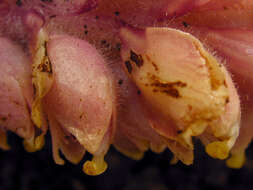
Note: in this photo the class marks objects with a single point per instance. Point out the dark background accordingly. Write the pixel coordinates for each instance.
(20, 170)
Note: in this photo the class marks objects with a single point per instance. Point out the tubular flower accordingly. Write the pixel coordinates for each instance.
(137, 75)
(186, 91)
(79, 109)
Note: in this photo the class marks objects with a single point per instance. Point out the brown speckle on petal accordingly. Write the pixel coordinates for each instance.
(3, 119)
(137, 59)
(45, 66)
(34, 89)
(120, 82)
(116, 13)
(128, 66)
(185, 24)
(169, 88)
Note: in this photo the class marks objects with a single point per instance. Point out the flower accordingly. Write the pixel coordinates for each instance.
(136, 74)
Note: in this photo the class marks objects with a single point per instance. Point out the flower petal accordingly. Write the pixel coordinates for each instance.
(16, 90)
(186, 90)
(236, 46)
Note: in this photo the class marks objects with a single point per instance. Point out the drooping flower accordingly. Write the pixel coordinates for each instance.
(136, 74)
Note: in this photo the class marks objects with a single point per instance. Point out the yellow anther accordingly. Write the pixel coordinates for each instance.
(218, 149)
(236, 161)
(96, 166)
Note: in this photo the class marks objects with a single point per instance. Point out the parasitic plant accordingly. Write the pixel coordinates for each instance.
(133, 74)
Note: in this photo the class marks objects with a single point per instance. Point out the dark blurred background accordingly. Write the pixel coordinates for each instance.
(20, 170)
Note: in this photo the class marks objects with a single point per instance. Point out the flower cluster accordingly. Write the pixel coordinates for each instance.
(135, 74)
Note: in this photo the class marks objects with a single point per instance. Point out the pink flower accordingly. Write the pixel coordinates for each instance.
(136, 74)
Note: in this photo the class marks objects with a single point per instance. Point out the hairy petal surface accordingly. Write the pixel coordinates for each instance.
(221, 14)
(175, 88)
(185, 90)
(236, 46)
(81, 97)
